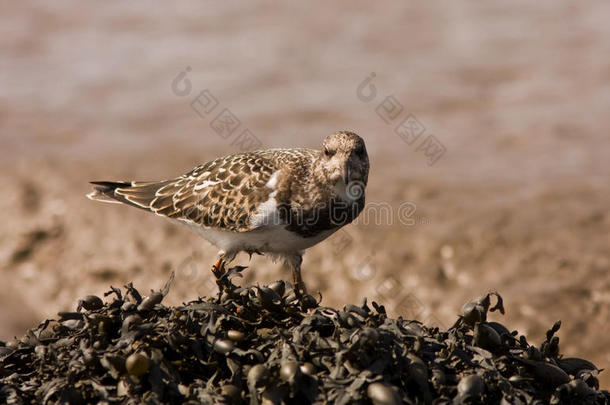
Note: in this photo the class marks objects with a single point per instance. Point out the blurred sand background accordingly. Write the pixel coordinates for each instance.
(518, 93)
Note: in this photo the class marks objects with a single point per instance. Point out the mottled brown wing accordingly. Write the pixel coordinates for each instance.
(221, 194)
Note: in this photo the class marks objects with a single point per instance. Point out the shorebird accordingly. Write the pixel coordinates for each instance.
(277, 202)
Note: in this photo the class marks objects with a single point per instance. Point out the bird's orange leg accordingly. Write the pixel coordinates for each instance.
(218, 269)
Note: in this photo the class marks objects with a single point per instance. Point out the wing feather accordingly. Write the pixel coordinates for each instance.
(225, 193)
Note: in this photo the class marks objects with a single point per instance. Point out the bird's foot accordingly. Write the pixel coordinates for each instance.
(218, 269)
(305, 301)
(299, 289)
(299, 285)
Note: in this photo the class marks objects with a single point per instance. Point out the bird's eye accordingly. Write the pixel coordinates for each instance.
(327, 152)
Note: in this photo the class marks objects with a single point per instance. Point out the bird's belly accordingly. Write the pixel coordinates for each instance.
(278, 239)
(272, 239)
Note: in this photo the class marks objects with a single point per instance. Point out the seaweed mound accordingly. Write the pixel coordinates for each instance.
(268, 345)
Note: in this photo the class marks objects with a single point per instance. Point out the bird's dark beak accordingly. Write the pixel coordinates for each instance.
(346, 174)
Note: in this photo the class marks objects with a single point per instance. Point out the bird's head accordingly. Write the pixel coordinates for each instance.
(344, 159)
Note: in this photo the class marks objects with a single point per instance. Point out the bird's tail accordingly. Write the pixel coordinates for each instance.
(104, 191)
(136, 194)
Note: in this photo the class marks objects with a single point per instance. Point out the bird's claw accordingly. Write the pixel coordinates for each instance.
(218, 269)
